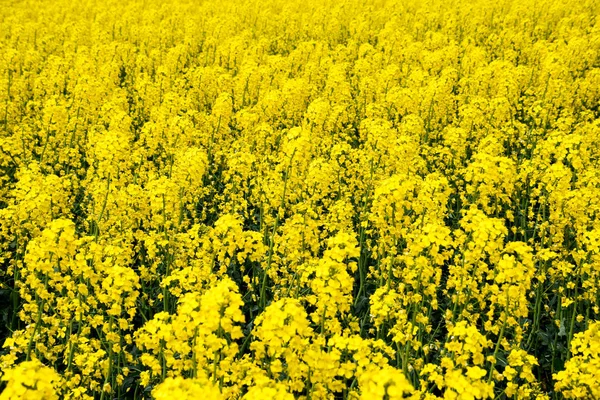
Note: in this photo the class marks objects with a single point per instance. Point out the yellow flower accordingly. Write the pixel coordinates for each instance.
(31, 380)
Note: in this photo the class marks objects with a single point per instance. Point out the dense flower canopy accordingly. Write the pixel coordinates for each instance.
(316, 199)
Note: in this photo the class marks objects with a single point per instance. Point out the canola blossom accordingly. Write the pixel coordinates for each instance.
(317, 199)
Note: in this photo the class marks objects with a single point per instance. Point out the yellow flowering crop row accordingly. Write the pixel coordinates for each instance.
(318, 199)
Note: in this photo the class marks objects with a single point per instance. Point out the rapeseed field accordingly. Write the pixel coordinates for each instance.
(299, 199)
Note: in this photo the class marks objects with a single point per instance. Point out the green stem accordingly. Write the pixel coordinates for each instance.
(500, 337)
